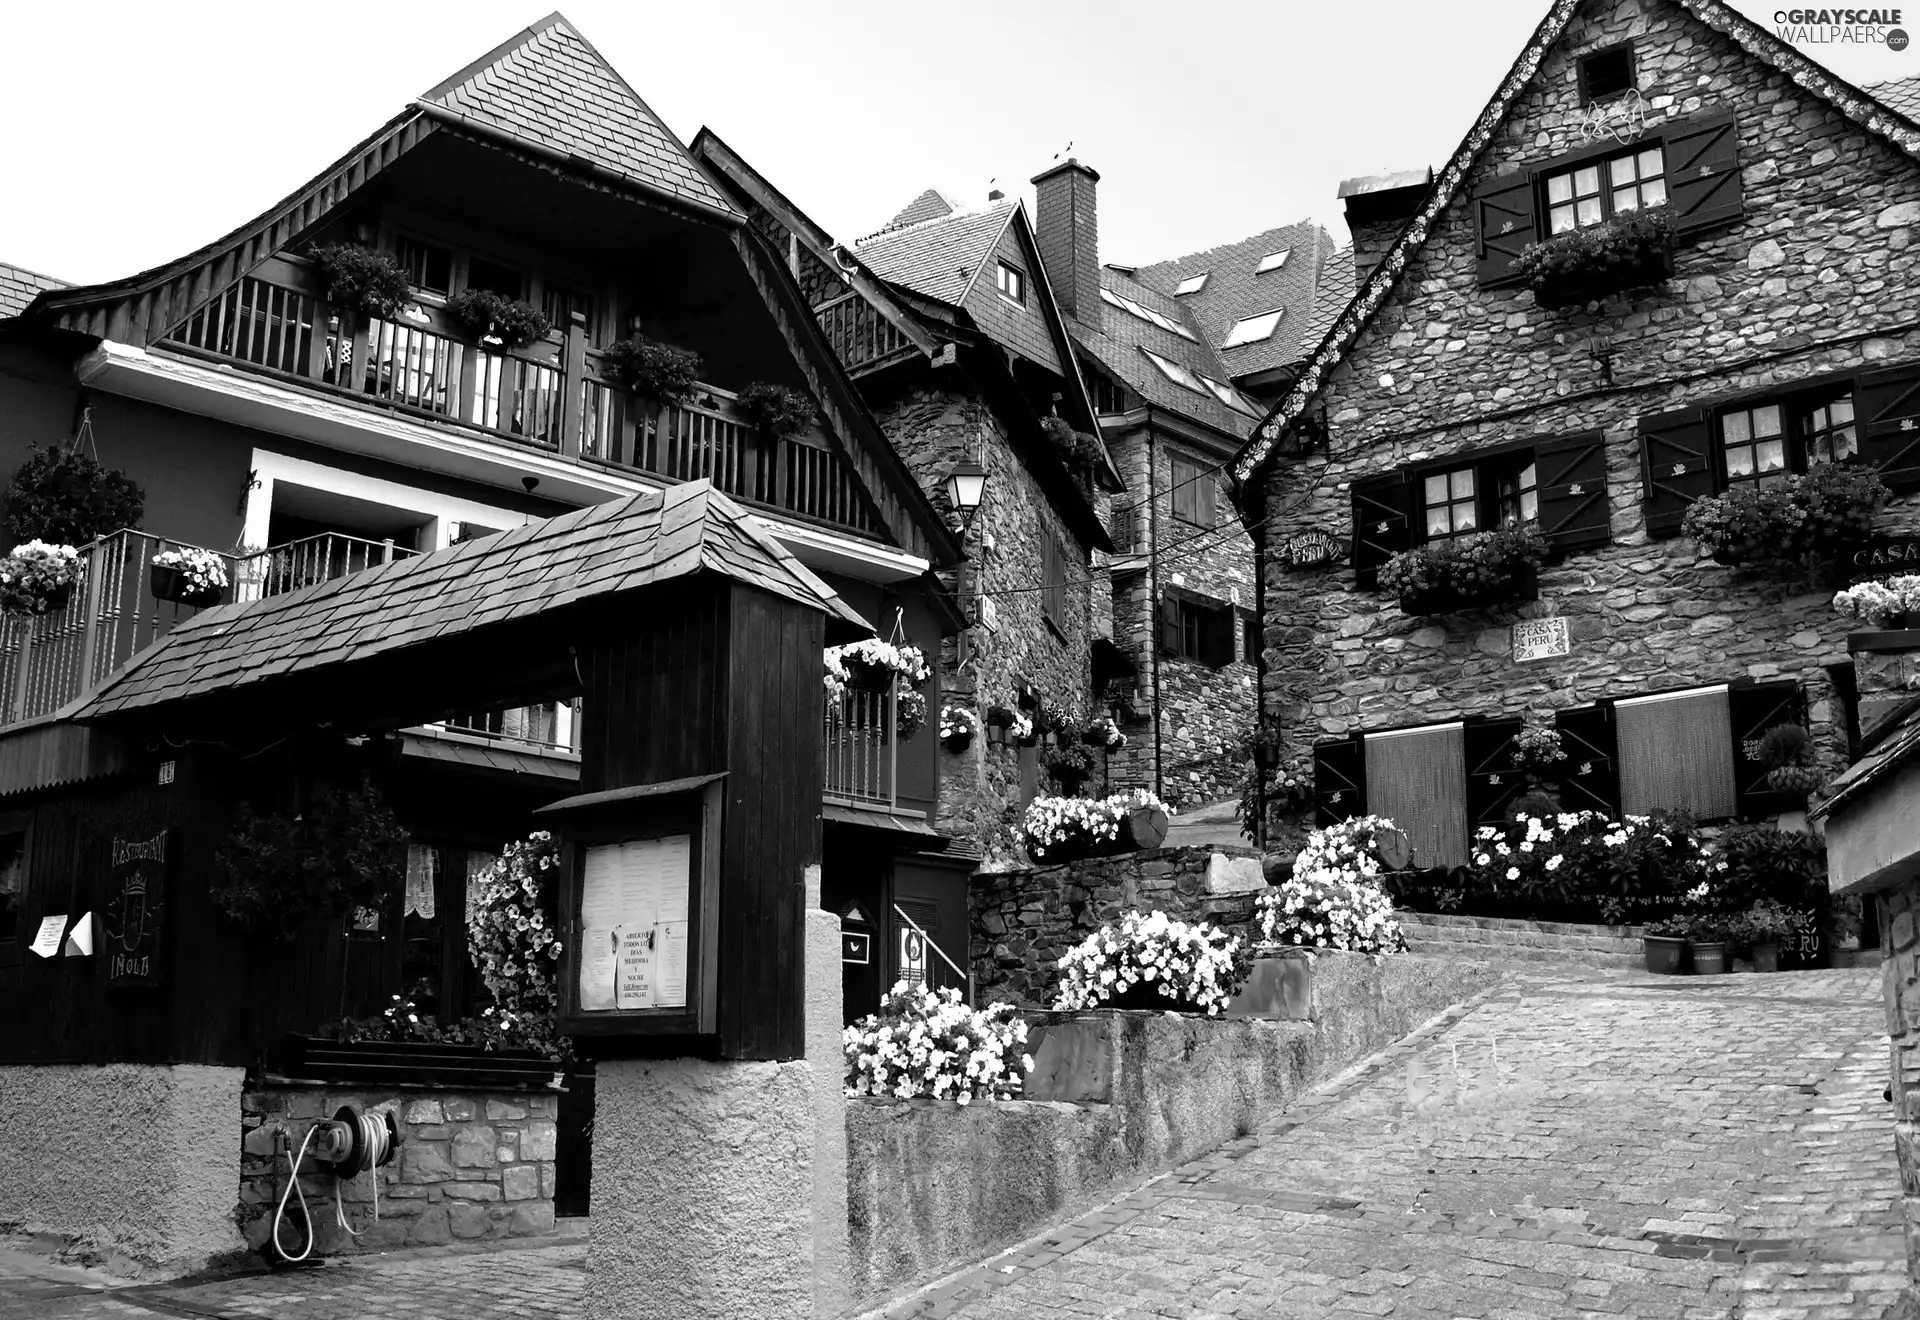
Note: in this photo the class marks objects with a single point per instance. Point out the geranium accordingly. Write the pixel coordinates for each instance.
(904, 661)
(1537, 748)
(1888, 604)
(203, 569)
(1807, 521)
(513, 934)
(1481, 568)
(37, 578)
(1194, 965)
(1057, 829)
(1334, 899)
(926, 1042)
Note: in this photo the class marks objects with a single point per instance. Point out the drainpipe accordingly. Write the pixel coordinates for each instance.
(1153, 592)
(1259, 658)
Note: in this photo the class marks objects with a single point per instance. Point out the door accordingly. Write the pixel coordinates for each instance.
(927, 923)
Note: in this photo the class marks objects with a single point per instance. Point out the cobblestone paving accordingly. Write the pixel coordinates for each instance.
(1594, 1147)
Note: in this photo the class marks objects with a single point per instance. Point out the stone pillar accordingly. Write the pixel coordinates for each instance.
(1899, 911)
(720, 1187)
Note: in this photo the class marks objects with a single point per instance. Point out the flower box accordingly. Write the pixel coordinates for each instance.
(1809, 522)
(1886, 639)
(1476, 571)
(418, 1063)
(175, 585)
(1633, 250)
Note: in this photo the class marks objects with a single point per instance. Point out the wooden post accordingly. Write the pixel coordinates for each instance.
(573, 375)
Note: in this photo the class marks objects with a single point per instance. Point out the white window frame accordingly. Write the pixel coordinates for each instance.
(1246, 330)
(1007, 275)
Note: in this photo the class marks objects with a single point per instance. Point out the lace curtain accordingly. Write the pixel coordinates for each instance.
(1676, 750)
(423, 869)
(1417, 778)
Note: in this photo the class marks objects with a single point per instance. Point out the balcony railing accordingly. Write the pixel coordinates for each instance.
(549, 395)
(861, 748)
(308, 562)
(552, 726)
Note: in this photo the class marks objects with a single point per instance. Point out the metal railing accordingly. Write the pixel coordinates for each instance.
(918, 968)
(308, 562)
(861, 749)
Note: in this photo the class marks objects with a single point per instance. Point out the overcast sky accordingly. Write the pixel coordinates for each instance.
(143, 131)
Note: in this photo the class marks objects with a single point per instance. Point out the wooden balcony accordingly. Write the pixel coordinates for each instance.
(553, 396)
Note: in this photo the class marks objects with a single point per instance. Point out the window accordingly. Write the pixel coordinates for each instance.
(1272, 261)
(1516, 493)
(1176, 373)
(498, 277)
(1056, 566)
(1228, 395)
(1193, 492)
(1147, 314)
(1606, 73)
(1763, 442)
(1753, 444)
(1191, 284)
(1197, 630)
(429, 266)
(1827, 431)
(1109, 396)
(1253, 329)
(560, 303)
(1451, 502)
(1012, 282)
(423, 930)
(1587, 194)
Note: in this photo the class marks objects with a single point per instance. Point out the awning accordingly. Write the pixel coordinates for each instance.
(905, 827)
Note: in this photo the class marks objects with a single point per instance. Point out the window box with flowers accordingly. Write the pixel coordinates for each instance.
(497, 321)
(775, 410)
(1805, 523)
(362, 280)
(1474, 571)
(928, 1044)
(1152, 962)
(188, 576)
(1061, 829)
(38, 578)
(1891, 608)
(652, 371)
(1631, 250)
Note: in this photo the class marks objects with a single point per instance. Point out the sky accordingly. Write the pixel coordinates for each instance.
(144, 131)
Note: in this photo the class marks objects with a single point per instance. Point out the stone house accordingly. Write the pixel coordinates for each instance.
(949, 324)
(1444, 399)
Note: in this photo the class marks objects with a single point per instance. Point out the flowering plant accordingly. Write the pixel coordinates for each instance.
(1807, 521)
(1058, 829)
(497, 320)
(513, 934)
(1889, 604)
(1022, 729)
(1334, 899)
(1537, 749)
(1581, 864)
(203, 569)
(651, 370)
(1292, 786)
(1070, 765)
(1481, 568)
(1103, 732)
(1629, 251)
(910, 712)
(363, 279)
(872, 663)
(776, 410)
(926, 1042)
(836, 680)
(37, 578)
(1191, 966)
(958, 725)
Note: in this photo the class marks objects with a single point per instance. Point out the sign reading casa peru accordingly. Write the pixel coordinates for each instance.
(1540, 639)
(1312, 549)
(1886, 556)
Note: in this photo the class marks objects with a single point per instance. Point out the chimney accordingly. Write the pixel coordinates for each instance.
(1378, 206)
(1069, 233)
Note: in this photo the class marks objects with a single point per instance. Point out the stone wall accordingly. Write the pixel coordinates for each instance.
(1899, 913)
(1024, 920)
(134, 1164)
(934, 427)
(1818, 276)
(933, 1185)
(1525, 941)
(471, 1165)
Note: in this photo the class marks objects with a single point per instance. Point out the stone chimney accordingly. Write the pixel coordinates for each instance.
(1069, 231)
(1378, 206)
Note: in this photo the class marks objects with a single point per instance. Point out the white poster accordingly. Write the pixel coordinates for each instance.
(46, 941)
(633, 924)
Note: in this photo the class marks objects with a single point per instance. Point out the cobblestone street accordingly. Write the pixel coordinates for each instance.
(1607, 1146)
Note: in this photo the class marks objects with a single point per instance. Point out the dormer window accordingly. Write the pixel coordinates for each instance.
(1587, 194)
(1605, 74)
(1012, 282)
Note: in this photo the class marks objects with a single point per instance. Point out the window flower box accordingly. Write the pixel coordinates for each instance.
(1809, 522)
(497, 321)
(1633, 250)
(188, 576)
(1892, 607)
(1466, 572)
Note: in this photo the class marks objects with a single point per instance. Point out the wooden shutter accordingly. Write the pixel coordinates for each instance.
(1503, 210)
(1703, 173)
(1380, 524)
(1571, 477)
(1754, 708)
(1676, 466)
(1206, 493)
(1590, 777)
(1339, 781)
(1492, 782)
(1170, 634)
(1888, 408)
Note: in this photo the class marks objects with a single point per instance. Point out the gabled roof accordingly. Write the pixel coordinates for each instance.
(1119, 342)
(464, 592)
(938, 257)
(929, 205)
(20, 286)
(550, 87)
(1236, 288)
(1872, 114)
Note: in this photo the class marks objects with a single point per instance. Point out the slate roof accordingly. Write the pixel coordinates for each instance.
(936, 258)
(1901, 95)
(1385, 277)
(1236, 289)
(1896, 747)
(592, 553)
(19, 286)
(1331, 294)
(549, 86)
(1121, 336)
(929, 205)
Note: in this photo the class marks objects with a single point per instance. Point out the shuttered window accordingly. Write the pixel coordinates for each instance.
(1571, 472)
(1417, 778)
(1339, 781)
(1379, 524)
(1196, 630)
(1590, 779)
(1492, 782)
(1889, 419)
(1503, 215)
(1752, 709)
(1676, 751)
(1677, 468)
(1703, 172)
(1056, 567)
(1193, 492)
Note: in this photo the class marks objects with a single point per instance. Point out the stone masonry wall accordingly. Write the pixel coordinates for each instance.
(1024, 920)
(1899, 913)
(471, 1165)
(1818, 275)
(934, 427)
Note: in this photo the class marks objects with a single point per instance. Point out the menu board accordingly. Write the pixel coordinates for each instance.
(633, 924)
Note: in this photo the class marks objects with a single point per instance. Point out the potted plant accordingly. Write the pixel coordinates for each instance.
(872, 665)
(1788, 757)
(958, 725)
(1710, 934)
(38, 578)
(63, 495)
(1022, 730)
(1070, 766)
(910, 712)
(1076, 449)
(927, 1044)
(1766, 926)
(775, 410)
(1537, 750)
(1334, 898)
(1808, 522)
(1152, 962)
(1664, 944)
(362, 280)
(495, 319)
(1104, 734)
(1631, 250)
(188, 576)
(1889, 605)
(340, 850)
(1465, 572)
(650, 370)
(999, 721)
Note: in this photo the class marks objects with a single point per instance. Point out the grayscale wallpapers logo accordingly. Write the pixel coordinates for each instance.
(1840, 27)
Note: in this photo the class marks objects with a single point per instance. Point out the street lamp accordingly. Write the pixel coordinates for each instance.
(966, 484)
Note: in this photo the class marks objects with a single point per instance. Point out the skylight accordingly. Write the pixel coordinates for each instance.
(1272, 261)
(1147, 314)
(1176, 373)
(1253, 329)
(1191, 284)
(1228, 395)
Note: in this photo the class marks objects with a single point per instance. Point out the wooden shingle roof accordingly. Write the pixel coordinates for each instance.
(463, 592)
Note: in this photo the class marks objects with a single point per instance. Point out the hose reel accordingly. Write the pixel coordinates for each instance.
(346, 1145)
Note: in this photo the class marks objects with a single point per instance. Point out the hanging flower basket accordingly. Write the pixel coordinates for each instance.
(872, 665)
(958, 725)
(1468, 572)
(1023, 731)
(38, 578)
(1537, 751)
(362, 279)
(188, 576)
(910, 713)
(1633, 250)
(650, 370)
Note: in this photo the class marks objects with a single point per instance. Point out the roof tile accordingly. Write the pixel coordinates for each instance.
(20, 286)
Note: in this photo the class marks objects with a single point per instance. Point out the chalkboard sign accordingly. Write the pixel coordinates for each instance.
(135, 914)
